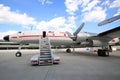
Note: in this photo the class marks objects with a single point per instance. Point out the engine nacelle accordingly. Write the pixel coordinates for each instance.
(93, 43)
(87, 43)
(82, 37)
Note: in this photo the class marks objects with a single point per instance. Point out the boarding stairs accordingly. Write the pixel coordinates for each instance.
(45, 51)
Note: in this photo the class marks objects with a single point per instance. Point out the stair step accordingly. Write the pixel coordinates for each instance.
(45, 56)
(43, 63)
(45, 52)
(44, 49)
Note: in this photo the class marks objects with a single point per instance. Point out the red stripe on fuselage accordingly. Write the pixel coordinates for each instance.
(14, 37)
(35, 36)
(27, 36)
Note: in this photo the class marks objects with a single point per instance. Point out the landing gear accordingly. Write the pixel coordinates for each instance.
(68, 50)
(103, 52)
(110, 48)
(18, 54)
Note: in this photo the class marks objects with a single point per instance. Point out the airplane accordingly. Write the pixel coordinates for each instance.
(115, 41)
(77, 39)
(109, 20)
(6, 43)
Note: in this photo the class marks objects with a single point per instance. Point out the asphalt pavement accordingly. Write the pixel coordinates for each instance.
(80, 65)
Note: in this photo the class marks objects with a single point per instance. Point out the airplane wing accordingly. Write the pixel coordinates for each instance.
(108, 35)
(109, 20)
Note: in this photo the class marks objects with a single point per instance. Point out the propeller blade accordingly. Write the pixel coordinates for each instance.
(79, 29)
(74, 37)
(109, 20)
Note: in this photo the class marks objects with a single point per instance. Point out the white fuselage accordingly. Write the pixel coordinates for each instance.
(56, 38)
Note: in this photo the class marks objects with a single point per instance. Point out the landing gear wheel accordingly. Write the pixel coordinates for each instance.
(107, 53)
(68, 50)
(103, 52)
(18, 54)
(99, 52)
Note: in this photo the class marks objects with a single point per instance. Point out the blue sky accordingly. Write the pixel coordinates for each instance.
(59, 15)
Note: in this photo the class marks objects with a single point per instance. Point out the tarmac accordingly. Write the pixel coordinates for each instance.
(80, 65)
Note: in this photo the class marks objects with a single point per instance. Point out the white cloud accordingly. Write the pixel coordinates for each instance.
(116, 4)
(72, 6)
(71, 21)
(49, 2)
(93, 12)
(91, 5)
(85, 3)
(2, 34)
(118, 12)
(7, 16)
(98, 14)
(58, 24)
(52, 24)
(106, 2)
(45, 2)
(90, 9)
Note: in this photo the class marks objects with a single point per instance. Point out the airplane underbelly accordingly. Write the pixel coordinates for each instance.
(53, 41)
(30, 40)
(61, 41)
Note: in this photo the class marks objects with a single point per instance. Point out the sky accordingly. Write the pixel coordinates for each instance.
(58, 15)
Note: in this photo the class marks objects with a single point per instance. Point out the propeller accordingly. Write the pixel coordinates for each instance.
(79, 29)
(74, 37)
(109, 20)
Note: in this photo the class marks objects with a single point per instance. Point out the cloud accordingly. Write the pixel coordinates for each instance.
(116, 4)
(98, 14)
(58, 24)
(72, 6)
(90, 5)
(2, 34)
(93, 12)
(90, 9)
(45, 2)
(84, 3)
(54, 23)
(7, 16)
(106, 3)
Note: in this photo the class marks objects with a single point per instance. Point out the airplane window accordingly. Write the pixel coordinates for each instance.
(64, 34)
(19, 32)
